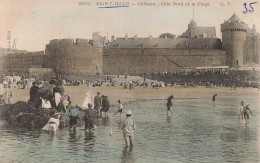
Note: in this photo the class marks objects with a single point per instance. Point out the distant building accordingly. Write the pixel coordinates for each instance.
(99, 41)
(196, 47)
(194, 31)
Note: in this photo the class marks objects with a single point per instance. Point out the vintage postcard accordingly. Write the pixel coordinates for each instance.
(129, 81)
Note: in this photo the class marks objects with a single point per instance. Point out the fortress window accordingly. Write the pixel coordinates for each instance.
(206, 46)
(141, 45)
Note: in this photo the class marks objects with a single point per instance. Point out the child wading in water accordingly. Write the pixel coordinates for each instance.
(169, 104)
(120, 107)
(246, 111)
(128, 127)
(214, 100)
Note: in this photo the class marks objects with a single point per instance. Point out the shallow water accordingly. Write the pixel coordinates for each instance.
(196, 132)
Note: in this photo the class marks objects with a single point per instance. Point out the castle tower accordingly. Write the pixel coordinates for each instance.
(233, 38)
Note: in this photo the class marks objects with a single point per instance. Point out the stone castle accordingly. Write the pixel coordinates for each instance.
(196, 47)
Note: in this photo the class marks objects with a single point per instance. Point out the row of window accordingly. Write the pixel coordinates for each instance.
(177, 46)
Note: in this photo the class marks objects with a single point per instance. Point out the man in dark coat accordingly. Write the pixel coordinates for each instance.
(105, 105)
(33, 93)
(97, 102)
(90, 116)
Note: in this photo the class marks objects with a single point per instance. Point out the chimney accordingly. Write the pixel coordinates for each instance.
(135, 37)
(126, 37)
(150, 37)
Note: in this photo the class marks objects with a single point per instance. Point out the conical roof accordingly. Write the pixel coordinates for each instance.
(234, 18)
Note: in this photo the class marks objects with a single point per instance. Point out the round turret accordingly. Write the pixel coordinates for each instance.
(233, 38)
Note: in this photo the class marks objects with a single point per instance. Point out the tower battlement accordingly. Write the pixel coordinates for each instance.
(69, 42)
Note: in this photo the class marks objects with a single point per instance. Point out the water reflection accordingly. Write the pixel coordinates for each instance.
(89, 140)
(194, 133)
(105, 121)
(127, 155)
(89, 136)
(168, 119)
(74, 137)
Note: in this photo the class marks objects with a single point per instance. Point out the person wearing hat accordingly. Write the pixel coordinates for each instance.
(246, 112)
(74, 115)
(120, 107)
(169, 104)
(90, 118)
(128, 127)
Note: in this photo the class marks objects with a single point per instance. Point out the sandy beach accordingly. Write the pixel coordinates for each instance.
(77, 93)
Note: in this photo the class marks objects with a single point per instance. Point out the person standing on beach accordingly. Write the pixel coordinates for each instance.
(169, 104)
(128, 127)
(214, 99)
(120, 107)
(74, 115)
(130, 85)
(33, 93)
(7, 94)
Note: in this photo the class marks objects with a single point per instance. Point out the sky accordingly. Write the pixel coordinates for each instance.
(35, 22)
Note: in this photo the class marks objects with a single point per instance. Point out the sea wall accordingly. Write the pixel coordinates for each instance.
(148, 60)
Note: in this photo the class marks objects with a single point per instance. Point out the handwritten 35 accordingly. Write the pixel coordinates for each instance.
(251, 9)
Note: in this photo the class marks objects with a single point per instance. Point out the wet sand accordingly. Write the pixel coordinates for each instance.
(77, 94)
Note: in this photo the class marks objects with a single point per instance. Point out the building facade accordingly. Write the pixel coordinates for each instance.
(196, 47)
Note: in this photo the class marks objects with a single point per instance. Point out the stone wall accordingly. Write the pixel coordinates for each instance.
(251, 49)
(20, 63)
(74, 58)
(148, 60)
(178, 43)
